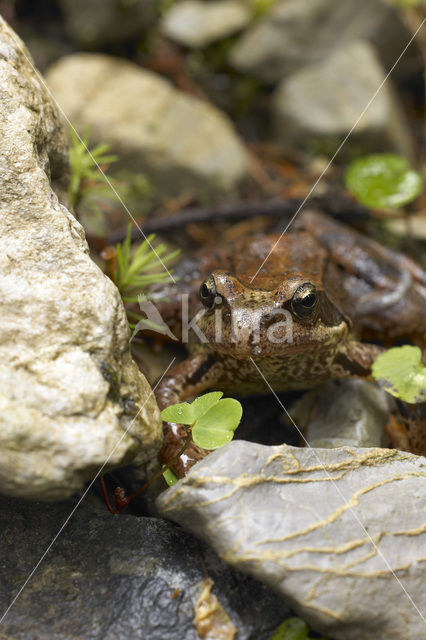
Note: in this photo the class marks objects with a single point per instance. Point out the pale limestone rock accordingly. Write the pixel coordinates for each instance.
(68, 385)
(294, 33)
(316, 107)
(194, 23)
(180, 142)
(339, 533)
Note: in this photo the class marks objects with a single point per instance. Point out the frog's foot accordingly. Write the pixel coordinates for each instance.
(189, 378)
(408, 431)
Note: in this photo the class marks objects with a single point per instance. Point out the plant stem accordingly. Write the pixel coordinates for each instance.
(105, 495)
(121, 502)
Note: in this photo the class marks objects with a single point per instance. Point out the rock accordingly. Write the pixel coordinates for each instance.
(44, 51)
(100, 22)
(344, 413)
(293, 34)
(316, 107)
(417, 226)
(68, 386)
(115, 578)
(340, 533)
(194, 23)
(180, 142)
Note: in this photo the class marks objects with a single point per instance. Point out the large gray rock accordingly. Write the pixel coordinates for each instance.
(340, 533)
(195, 23)
(296, 33)
(100, 22)
(116, 578)
(317, 106)
(68, 386)
(180, 142)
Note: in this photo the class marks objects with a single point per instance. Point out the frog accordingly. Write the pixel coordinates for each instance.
(288, 312)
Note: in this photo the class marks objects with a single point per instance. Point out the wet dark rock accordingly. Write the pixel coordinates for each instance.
(116, 577)
(100, 22)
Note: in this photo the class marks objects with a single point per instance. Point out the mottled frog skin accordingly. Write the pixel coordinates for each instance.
(312, 313)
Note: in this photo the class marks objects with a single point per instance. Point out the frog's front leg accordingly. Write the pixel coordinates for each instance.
(355, 358)
(190, 377)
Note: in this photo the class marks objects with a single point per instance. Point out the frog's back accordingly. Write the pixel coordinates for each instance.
(381, 290)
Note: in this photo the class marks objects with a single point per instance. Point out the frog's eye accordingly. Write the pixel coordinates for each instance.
(304, 300)
(208, 293)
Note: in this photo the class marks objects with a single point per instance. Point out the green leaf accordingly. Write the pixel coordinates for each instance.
(291, 629)
(213, 420)
(170, 477)
(137, 269)
(383, 181)
(260, 7)
(401, 372)
(216, 427)
(407, 4)
(181, 413)
(203, 403)
(144, 323)
(85, 177)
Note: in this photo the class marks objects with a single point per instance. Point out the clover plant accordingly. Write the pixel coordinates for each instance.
(211, 421)
(383, 181)
(292, 629)
(401, 372)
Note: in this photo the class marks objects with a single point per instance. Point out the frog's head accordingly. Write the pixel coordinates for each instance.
(284, 316)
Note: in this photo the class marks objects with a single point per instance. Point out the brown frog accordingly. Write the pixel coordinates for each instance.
(323, 296)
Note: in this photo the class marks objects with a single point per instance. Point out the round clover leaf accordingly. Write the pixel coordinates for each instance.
(216, 427)
(182, 413)
(401, 372)
(383, 181)
(213, 420)
(203, 403)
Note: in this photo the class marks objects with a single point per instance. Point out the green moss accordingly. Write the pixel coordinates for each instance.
(111, 377)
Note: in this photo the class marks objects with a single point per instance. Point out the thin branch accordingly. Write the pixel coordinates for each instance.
(336, 205)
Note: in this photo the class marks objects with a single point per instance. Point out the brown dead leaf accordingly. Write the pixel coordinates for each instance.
(211, 620)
